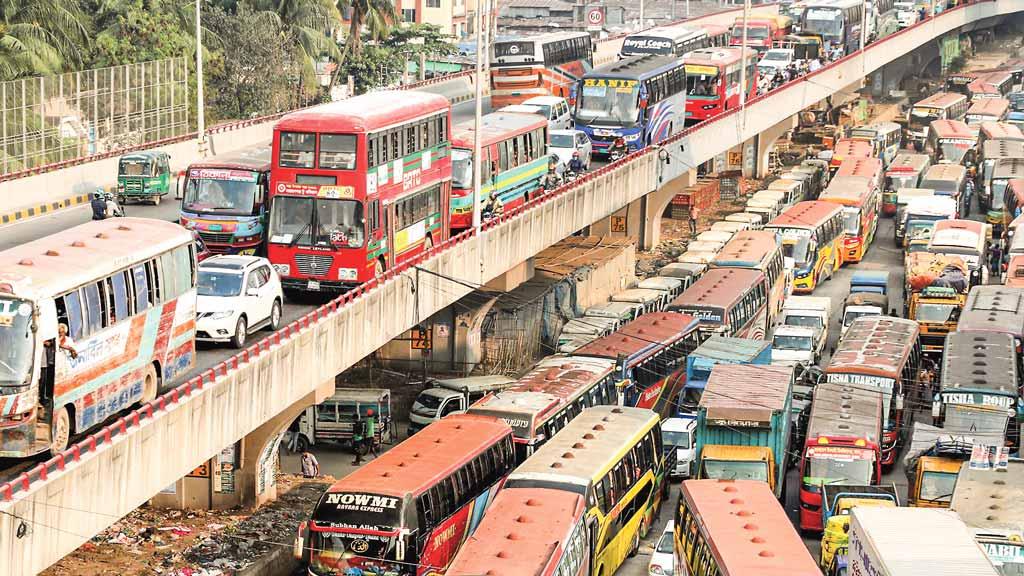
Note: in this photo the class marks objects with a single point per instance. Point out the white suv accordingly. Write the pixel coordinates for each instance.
(238, 295)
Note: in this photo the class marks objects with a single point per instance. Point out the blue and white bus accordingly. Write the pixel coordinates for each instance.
(641, 99)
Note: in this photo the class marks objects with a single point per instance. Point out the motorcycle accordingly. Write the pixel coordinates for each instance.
(118, 210)
(552, 181)
(570, 175)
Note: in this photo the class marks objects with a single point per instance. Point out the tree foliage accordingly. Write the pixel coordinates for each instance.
(41, 36)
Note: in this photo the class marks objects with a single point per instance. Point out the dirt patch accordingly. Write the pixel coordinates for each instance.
(195, 542)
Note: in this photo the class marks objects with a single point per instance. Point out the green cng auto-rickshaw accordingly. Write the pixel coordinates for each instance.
(143, 176)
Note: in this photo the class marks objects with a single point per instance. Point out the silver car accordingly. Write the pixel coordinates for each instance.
(562, 143)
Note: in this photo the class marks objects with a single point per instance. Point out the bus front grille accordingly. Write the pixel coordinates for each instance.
(313, 265)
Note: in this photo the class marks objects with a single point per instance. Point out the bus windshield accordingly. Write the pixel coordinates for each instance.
(462, 169)
(607, 105)
(921, 118)
(753, 32)
(702, 86)
(831, 469)
(998, 188)
(16, 342)
(316, 222)
(953, 151)
(735, 470)
(938, 486)
(798, 249)
(823, 21)
(235, 196)
(851, 220)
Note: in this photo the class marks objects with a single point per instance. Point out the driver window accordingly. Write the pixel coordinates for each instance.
(450, 407)
(327, 413)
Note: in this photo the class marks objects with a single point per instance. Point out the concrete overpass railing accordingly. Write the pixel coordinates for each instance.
(52, 509)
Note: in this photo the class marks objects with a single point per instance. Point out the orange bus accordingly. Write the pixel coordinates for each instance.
(849, 148)
(544, 65)
(736, 527)
(728, 302)
(870, 168)
(861, 201)
(812, 235)
(881, 353)
(758, 250)
(987, 110)
(551, 537)
(408, 510)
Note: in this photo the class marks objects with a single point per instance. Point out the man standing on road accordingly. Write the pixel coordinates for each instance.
(995, 262)
(359, 429)
(694, 213)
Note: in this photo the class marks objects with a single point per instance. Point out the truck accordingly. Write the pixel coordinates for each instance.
(332, 420)
(802, 330)
(913, 542)
(934, 294)
(837, 501)
(920, 216)
(998, 528)
(452, 396)
(678, 434)
(932, 463)
(717, 350)
(740, 439)
(869, 296)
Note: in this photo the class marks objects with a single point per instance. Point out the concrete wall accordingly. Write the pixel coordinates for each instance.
(57, 506)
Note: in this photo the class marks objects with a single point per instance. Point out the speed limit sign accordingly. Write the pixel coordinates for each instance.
(595, 17)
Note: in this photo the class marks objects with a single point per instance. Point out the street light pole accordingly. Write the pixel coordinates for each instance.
(743, 57)
(479, 90)
(200, 102)
(641, 14)
(864, 24)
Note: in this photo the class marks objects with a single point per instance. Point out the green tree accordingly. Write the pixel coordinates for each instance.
(308, 22)
(416, 39)
(260, 72)
(377, 16)
(130, 31)
(40, 36)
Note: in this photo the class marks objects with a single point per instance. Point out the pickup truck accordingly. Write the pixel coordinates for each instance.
(451, 396)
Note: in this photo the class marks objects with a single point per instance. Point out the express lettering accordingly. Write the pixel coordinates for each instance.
(863, 380)
(362, 501)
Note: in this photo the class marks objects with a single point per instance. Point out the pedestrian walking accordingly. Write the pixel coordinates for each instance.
(358, 434)
(371, 433)
(995, 261)
(310, 466)
(694, 213)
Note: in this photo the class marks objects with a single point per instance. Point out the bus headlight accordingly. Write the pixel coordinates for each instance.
(282, 269)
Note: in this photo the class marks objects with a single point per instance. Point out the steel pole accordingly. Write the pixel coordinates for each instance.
(478, 114)
(200, 105)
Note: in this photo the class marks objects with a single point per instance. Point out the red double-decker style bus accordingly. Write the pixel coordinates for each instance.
(881, 353)
(842, 445)
(408, 511)
(358, 186)
(713, 81)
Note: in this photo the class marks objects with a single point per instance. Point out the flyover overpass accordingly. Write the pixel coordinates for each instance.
(54, 508)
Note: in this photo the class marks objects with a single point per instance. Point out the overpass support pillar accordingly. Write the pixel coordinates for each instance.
(766, 143)
(641, 219)
(244, 473)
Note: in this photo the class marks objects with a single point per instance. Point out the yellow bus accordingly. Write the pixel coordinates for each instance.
(613, 455)
(812, 235)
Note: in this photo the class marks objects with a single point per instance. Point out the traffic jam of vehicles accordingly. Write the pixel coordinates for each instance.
(727, 369)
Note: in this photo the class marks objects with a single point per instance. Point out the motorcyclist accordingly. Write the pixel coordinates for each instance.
(493, 207)
(113, 208)
(618, 146)
(576, 165)
(98, 204)
(551, 180)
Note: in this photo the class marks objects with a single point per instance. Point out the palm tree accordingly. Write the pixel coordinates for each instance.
(40, 36)
(377, 16)
(309, 21)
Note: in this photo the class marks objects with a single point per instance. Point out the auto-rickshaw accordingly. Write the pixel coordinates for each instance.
(143, 176)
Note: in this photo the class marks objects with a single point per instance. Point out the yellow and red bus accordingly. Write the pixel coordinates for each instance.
(650, 355)
(410, 509)
(758, 250)
(728, 302)
(543, 65)
(515, 160)
(812, 235)
(358, 186)
(727, 527)
(881, 353)
(861, 201)
(842, 444)
(549, 396)
(125, 289)
(713, 81)
(535, 531)
(613, 456)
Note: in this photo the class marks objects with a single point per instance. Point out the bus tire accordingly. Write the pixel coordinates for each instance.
(636, 545)
(150, 385)
(60, 430)
(379, 267)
